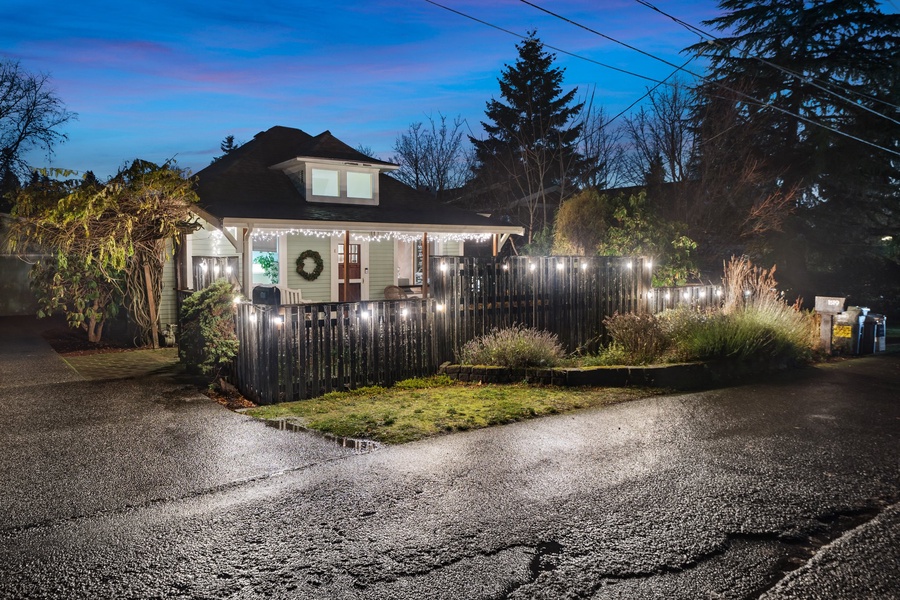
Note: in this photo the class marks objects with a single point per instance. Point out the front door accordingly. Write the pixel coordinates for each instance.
(353, 262)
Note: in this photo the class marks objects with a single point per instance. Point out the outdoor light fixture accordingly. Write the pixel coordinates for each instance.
(747, 292)
(718, 293)
(506, 267)
(649, 264)
(686, 295)
(649, 294)
(253, 317)
(443, 266)
(628, 264)
(366, 314)
(531, 266)
(560, 266)
(584, 266)
(204, 266)
(216, 269)
(668, 295)
(237, 299)
(439, 307)
(703, 293)
(278, 320)
(228, 269)
(404, 312)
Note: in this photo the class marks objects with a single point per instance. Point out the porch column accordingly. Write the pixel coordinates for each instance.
(247, 258)
(425, 258)
(494, 239)
(346, 293)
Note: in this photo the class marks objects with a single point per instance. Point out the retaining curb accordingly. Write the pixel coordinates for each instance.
(680, 376)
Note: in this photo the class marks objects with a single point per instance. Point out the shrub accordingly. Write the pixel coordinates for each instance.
(640, 337)
(614, 354)
(515, 347)
(208, 340)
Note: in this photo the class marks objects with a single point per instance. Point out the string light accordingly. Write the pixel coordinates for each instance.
(379, 236)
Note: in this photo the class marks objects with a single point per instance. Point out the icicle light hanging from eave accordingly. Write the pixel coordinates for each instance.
(373, 236)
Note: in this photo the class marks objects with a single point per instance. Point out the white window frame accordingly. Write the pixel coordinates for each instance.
(342, 197)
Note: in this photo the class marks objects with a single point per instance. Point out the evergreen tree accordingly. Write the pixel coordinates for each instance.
(803, 69)
(531, 142)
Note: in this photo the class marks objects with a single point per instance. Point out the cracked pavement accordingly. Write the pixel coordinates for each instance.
(781, 489)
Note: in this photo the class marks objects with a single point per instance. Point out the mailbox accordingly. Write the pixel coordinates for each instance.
(828, 307)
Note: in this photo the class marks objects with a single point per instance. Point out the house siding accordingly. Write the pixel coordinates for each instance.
(311, 291)
(207, 243)
(450, 249)
(382, 270)
(168, 311)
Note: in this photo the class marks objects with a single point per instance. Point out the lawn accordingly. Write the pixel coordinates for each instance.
(420, 408)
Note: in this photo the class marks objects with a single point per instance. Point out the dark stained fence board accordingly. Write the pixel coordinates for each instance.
(321, 347)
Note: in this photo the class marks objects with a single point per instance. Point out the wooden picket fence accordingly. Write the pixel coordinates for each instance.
(303, 351)
(698, 297)
(566, 295)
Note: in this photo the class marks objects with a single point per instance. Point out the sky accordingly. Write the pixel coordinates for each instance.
(171, 78)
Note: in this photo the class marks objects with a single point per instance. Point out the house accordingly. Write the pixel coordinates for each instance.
(307, 205)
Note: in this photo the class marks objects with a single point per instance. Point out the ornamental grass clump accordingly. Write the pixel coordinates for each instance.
(516, 347)
(754, 323)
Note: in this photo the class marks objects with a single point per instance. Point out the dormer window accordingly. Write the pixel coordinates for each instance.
(334, 182)
(359, 185)
(326, 182)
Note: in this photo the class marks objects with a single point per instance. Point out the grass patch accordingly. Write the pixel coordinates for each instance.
(416, 409)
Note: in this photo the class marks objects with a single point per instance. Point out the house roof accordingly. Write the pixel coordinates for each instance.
(242, 186)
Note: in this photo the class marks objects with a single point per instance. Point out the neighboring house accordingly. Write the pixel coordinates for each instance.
(286, 193)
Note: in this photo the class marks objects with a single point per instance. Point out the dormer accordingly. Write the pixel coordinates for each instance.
(335, 181)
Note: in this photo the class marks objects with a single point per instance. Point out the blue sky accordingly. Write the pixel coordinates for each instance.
(172, 78)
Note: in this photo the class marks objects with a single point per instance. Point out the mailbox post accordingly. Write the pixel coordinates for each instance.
(828, 307)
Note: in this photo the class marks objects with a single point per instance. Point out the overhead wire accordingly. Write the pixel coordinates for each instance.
(560, 50)
(712, 82)
(704, 35)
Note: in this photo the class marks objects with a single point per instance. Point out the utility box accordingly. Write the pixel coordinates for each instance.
(828, 307)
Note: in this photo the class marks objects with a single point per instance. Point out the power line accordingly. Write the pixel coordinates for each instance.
(649, 91)
(560, 50)
(713, 39)
(716, 83)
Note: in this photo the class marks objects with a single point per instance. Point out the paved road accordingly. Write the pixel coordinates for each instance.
(787, 488)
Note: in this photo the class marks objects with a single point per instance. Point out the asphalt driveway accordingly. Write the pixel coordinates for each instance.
(787, 488)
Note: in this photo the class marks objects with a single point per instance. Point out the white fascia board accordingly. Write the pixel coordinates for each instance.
(317, 160)
(365, 226)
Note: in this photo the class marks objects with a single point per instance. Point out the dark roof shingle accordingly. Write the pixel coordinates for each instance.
(241, 185)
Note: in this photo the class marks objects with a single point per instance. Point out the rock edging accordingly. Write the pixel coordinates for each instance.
(679, 376)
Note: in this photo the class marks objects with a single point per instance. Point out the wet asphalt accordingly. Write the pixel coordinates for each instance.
(783, 488)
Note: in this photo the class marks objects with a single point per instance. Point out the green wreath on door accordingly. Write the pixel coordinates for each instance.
(319, 265)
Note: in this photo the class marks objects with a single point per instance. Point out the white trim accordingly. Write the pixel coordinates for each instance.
(189, 259)
(282, 260)
(341, 226)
